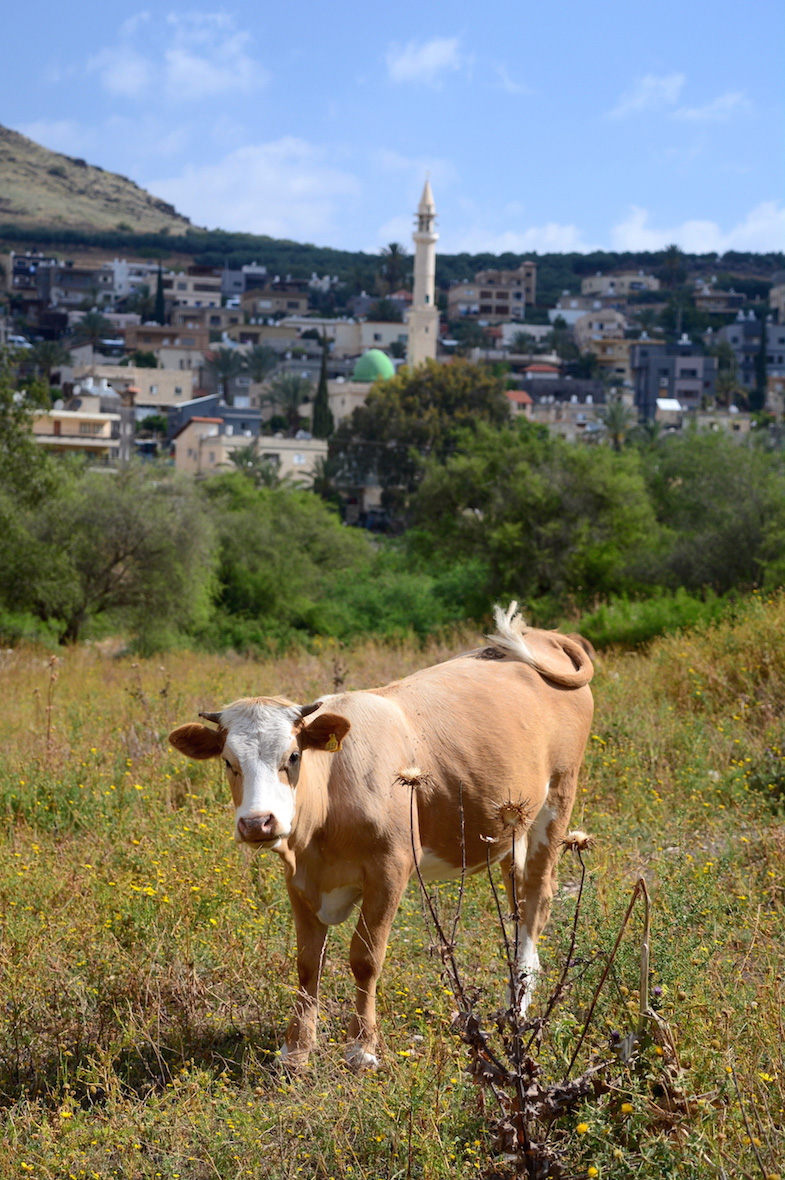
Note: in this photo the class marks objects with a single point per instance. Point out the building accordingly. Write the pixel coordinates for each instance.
(281, 297)
(709, 298)
(744, 337)
(154, 389)
(204, 446)
(154, 337)
(568, 407)
(84, 429)
(199, 286)
(494, 295)
(675, 372)
(621, 282)
(593, 326)
(423, 317)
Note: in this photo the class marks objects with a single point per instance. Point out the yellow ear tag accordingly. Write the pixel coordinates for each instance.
(332, 744)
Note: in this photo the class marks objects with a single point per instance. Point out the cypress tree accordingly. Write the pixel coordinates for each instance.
(160, 308)
(323, 422)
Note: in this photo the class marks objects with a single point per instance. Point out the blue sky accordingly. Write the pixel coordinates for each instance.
(544, 126)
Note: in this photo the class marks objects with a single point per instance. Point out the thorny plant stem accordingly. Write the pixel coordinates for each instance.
(640, 889)
(459, 906)
(643, 990)
(511, 967)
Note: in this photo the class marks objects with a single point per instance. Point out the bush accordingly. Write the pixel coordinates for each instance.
(633, 622)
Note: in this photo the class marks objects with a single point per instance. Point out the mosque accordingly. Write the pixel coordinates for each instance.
(422, 319)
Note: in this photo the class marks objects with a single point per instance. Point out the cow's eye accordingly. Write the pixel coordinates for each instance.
(294, 757)
(227, 764)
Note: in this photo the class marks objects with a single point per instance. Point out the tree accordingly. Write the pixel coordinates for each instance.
(722, 506)
(757, 399)
(288, 391)
(159, 312)
(142, 302)
(522, 342)
(136, 544)
(385, 311)
(394, 259)
(673, 270)
(548, 519)
(225, 364)
(92, 329)
(47, 355)
(618, 421)
(411, 417)
(323, 422)
(261, 361)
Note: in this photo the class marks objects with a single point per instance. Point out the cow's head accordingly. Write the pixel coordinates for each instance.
(261, 742)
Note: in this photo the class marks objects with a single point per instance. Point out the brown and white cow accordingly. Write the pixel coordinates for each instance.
(496, 736)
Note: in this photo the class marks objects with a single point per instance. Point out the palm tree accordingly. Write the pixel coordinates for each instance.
(618, 420)
(261, 472)
(225, 364)
(394, 259)
(522, 342)
(91, 329)
(288, 391)
(47, 355)
(260, 362)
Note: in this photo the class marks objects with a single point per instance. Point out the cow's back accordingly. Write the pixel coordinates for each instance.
(480, 731)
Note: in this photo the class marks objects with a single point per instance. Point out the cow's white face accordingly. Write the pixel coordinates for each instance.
(261, 743)
(262, 764)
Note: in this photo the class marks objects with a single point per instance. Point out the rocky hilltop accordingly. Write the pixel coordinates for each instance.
(43, 188)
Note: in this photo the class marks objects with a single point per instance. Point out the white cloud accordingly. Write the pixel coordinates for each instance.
(763, 229)
(202, 55)
(59, 135)
(718, 110)
(652, 93)
(122, 71)
(551, 237)
(507, 84)
(426, 62)
(284, 188)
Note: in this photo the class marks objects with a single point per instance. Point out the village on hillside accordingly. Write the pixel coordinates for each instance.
(199, 363)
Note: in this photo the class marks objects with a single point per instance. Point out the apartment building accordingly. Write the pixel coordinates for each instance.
(620, 282)
(679, 373)
(494, 295)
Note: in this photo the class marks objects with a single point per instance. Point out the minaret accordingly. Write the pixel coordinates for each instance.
(424, 315)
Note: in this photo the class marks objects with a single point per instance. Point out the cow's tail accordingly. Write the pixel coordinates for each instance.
(509, 639)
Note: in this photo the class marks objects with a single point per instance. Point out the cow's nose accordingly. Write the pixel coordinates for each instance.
(256, 828)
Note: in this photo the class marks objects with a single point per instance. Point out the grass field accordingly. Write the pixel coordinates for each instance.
(146, 962)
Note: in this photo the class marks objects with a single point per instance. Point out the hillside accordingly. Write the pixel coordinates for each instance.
(43, 188)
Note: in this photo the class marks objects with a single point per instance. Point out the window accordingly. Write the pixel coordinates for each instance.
(182, 286)
(298, 460)
(90, 427)
(153, 389)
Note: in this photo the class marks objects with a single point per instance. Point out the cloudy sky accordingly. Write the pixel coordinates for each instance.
(544, 126)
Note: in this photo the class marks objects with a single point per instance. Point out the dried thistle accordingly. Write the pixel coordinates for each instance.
(514, 816)
(578, 841)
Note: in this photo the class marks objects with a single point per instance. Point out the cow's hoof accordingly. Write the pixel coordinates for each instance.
(359, 1059)
(293, 1060)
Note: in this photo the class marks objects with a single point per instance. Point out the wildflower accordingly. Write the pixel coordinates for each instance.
(592, 1171)
(582, 1128)
(626, 1108)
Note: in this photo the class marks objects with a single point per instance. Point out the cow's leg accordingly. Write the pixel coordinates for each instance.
(530, 880)
(382, 894)
(311, 938)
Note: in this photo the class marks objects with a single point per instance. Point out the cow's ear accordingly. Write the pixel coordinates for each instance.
(325, 732)
(197, 741)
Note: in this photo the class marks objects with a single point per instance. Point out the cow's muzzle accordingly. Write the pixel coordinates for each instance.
(258, 829)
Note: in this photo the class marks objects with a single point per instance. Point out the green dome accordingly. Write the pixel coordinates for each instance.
(373, 365)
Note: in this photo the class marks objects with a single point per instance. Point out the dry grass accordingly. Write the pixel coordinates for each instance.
(146, 963)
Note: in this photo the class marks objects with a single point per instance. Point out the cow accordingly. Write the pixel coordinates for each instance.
(430, 776)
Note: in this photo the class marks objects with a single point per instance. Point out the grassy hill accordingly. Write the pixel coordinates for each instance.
(43, 188)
